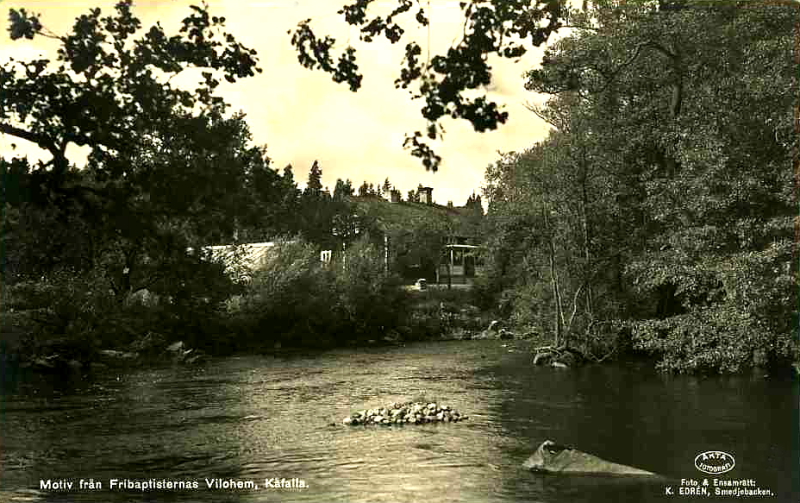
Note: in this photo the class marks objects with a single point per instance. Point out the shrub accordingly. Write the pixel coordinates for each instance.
(68, 310)
(369, 300)
(748, 324)
(88, 310)
(287, 299)
(295, 299)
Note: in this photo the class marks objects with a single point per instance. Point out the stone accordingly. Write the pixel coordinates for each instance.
(116, 357)
(196, 358)
(409, 412)
(554, 458)
(543, 358)
(151, 343)
(176, 347)
(110, 353)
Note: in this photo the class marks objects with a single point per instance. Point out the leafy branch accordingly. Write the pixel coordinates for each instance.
(491, 27)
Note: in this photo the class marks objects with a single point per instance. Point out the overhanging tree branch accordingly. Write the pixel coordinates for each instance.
(59, 161)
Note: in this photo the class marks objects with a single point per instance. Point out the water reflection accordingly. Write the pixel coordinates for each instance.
(255, 418)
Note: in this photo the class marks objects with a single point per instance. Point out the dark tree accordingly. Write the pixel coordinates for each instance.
(314, 186)
(342, 190)
(107, 86)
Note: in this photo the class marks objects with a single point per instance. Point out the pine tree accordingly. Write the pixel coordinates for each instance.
(314, 186)
(342, 189)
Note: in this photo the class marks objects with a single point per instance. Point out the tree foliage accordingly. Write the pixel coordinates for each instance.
(167, 169)
(106, 85)
(297, 300)
(445, 82)
(662, 206)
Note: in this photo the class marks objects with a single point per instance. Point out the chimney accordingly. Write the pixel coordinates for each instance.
(426, 195)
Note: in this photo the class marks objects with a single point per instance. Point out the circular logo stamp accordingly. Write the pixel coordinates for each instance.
(714, 462)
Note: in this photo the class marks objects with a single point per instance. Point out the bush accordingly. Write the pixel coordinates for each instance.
(748, 323)
(369, 301)
(297, 300)
(83, 310)
(713, 340)
(75, 312)
(286, 299)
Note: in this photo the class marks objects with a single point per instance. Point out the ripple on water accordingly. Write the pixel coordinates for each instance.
(259, 417)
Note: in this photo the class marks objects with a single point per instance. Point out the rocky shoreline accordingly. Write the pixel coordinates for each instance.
(61, 357)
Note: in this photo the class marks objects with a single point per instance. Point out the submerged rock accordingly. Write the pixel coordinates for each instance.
(110, 354)
(149, 344)
(405, 413)
(559, 358)
(176, 347)
(493, 331)
(179, 353)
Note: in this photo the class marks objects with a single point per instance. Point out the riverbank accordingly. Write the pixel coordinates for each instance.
(432, 314)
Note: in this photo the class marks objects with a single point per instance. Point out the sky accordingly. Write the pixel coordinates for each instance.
(302, 115)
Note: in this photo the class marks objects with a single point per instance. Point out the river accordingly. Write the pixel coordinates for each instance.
(255, 418)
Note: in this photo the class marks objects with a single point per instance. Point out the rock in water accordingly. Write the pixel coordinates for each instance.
(402, 413)
(176, 347)
(554, 458)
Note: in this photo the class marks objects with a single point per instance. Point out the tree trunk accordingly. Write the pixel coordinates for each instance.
(559, 326)
(586, 237)
(675, 104)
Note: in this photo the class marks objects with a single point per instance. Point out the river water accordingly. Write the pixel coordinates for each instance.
(260, 417)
